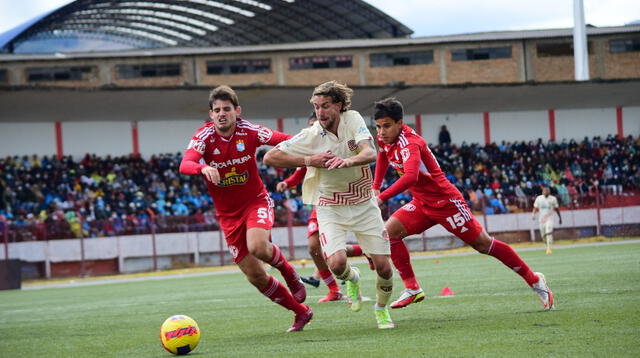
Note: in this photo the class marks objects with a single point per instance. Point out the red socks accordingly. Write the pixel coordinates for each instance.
(329, 280)
(278, 261)
(402, 261)
(357, 251)
(510, 258)
(279, 294)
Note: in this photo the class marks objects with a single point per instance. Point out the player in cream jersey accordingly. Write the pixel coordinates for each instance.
(337, 151)
(546, 204)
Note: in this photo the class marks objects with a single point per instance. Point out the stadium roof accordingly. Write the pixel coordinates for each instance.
(330, 44)
(87, 25)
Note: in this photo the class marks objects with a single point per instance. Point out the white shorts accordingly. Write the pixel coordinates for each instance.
(364, 220)
(546, 228)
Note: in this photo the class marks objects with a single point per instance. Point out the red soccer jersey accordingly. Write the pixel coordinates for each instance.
(418, 168)
(235, 159)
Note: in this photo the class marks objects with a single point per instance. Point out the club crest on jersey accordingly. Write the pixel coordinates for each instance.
(409, 207)
(240, 145)
(405, 154)
(233, 178)
(352, 145)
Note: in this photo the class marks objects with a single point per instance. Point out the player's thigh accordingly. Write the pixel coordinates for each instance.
(408, 220)
(235, 234)
(367, 225)
(456, 218)
(332, 234)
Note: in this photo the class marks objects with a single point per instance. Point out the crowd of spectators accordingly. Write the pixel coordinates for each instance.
(106, 196)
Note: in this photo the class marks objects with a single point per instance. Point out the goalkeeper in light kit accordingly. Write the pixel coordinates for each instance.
(435, 201)
(227, 145)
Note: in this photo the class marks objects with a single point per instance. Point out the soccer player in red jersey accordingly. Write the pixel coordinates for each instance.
(223, 151)
(435, 201)
(315, 250)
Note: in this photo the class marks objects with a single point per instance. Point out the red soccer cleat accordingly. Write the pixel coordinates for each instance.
(408, 297)
(301, 320)
(332, 296)
(297, 289)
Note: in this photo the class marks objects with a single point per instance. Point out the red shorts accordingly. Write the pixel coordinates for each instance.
(453, 214)
(312, 224)
(257, 214)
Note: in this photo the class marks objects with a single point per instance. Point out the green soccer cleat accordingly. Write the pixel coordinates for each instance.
(353, 292)
(383, 318)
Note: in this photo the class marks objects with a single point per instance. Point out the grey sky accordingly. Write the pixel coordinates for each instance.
(432, 17)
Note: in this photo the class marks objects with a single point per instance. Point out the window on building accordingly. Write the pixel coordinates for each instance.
(318, 62)
(473, 54)
(401, 58)
(624, 45)
(49, 74)
(558, 49)
(4, 78)
(232, 67)
(149, 70)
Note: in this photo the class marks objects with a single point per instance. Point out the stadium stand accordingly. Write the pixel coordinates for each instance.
(46, 198)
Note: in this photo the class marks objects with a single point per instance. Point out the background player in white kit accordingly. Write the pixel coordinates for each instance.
(546, 204)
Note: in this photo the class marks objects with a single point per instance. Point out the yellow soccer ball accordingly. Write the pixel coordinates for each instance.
(179, 334)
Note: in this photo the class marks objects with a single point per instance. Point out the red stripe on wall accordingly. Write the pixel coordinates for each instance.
(134, 138)
(487, 128)
(619, 122)
(552, 125)
(280, 125)
(59, 149)
(419, 124)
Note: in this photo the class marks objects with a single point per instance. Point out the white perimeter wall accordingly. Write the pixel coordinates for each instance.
(27, 138)
(158, 136)
(122, 247)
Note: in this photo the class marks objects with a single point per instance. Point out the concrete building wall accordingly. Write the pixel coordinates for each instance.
(158, 136)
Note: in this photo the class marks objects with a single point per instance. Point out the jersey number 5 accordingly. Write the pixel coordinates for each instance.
(262, 214)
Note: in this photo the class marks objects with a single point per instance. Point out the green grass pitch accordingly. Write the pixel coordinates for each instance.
(493, 313)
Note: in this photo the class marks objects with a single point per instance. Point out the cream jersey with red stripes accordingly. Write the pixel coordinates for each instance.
(235, 158)
(546, 206)
(345, 186)
(418, 168)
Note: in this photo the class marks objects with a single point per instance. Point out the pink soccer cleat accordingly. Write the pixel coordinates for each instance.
(301, 320)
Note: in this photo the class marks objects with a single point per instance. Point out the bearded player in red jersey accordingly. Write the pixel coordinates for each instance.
(435, 201)
(223, 151)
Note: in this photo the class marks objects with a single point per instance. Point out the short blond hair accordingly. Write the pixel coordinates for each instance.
(338, 92)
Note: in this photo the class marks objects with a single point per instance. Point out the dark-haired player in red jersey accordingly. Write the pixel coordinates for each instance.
(223, 151)
(435, 201)
(315, 250)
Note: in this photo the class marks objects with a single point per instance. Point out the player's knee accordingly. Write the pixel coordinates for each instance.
(259, 251)
(482, 244)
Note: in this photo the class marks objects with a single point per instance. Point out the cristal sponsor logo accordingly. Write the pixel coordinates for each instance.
(180, 332)
(230, 162)
(233, 178)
